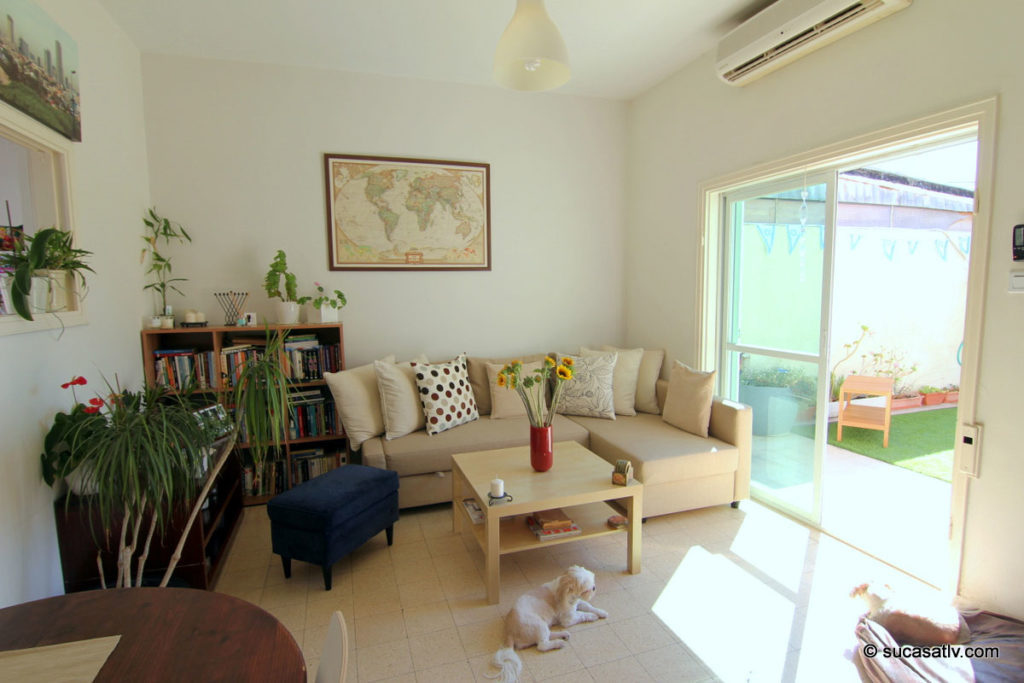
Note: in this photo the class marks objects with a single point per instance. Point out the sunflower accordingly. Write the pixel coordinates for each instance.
(502, 380)
(568, 362)
(563, 372)
(550, 361)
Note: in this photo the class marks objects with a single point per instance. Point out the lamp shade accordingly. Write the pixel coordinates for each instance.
(531, 54)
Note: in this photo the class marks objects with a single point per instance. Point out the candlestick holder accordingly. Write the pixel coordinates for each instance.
(491, 499)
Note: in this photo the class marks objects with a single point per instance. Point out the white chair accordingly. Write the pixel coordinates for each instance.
(334, 658)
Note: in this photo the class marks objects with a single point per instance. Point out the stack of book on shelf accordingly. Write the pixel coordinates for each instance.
(273, 481)
(307, 360)
(312, 414)
(313, 462)
(180, 368)
(548, 525)
(234, 358)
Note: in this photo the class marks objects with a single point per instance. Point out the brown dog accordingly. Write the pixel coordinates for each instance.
(912, 621)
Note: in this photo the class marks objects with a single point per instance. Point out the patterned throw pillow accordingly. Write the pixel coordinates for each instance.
(446, 395)
(589, 392)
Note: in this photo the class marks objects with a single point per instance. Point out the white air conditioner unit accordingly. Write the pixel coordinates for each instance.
(788, 30)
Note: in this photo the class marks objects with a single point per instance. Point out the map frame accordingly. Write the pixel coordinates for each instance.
(476, 259)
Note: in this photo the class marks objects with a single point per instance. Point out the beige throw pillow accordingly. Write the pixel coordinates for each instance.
(647, 380)
(688, 403)
(627, 369)
(589, 392)
(505, 402)
(399, 397)
(477, 367)
(357, 400)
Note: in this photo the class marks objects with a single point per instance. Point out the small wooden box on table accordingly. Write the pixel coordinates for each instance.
(580, 483)
(866, 417)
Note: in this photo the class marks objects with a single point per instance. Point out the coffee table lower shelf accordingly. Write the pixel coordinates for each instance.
(516, 537)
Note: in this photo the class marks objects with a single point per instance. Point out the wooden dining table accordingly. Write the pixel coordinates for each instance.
(166, 634)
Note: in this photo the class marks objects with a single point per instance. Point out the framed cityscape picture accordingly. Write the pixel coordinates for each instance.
(388, 213)
(39, 61)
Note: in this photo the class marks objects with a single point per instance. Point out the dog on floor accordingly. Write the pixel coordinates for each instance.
(912, 619)
(561, 602)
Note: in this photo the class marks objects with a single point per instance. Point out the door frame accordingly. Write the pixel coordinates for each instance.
(980, 116)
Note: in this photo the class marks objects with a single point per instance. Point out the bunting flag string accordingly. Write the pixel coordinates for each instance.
(767, 233)
(794, 233)
(854, 241)
(942, 246)
(912, 245)
(888, 248)
(965, 243)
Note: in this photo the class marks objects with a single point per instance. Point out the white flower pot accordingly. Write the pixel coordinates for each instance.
(286, 312)
(325, 314)
(50, 291)
(81, 481)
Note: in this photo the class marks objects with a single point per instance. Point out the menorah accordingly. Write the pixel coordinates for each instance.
(232, 303)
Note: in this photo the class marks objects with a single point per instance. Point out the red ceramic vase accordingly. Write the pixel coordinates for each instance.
(541, 449)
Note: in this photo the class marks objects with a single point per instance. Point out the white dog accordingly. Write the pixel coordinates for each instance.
(560, 602)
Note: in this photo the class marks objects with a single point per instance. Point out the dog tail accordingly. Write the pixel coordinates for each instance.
(511, 666)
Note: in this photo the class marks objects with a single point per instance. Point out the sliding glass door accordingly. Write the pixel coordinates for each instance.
(773, 353)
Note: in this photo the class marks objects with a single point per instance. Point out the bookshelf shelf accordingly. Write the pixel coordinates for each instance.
(211, 357)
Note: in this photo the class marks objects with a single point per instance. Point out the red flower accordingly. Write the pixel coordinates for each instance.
(98, 402)
(94, 409)
(76, 381)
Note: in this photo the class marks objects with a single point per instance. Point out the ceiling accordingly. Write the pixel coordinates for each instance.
(618, 48)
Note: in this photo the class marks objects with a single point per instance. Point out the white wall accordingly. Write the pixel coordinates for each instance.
(236, 156)
(933, 56)
(111, 188)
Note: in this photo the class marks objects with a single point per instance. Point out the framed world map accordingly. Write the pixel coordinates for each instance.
(387, 213)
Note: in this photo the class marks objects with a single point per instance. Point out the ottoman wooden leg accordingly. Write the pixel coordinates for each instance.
(286, 563)
(391, 534)
(327, 577)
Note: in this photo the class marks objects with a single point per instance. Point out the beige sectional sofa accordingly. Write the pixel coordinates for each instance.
(680, 471)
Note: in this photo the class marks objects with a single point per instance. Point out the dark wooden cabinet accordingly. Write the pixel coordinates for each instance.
(81, 537)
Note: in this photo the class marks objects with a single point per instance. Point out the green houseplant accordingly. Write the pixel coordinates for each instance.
(326, 304)
(161, 230)
(139, 454)
(288, 306)
(263, 405)
(49, 261)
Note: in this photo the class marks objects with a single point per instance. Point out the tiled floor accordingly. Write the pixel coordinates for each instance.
(733, 595)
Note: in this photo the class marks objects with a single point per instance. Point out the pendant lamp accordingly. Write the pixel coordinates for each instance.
(531, 54)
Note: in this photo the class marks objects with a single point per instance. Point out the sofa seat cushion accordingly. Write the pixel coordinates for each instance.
(328, 501)
(420, 453)
(660, 453)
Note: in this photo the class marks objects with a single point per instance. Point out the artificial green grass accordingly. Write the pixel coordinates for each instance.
(921, 442)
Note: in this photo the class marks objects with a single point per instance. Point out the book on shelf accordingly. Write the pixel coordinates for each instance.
(551, 534)
(554, 518)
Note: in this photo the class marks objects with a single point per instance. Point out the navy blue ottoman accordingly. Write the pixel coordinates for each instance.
(322, 520)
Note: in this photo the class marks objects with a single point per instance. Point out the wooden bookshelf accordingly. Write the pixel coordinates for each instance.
(213, 343)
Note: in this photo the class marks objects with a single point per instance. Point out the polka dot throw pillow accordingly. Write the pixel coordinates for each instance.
(445, 394)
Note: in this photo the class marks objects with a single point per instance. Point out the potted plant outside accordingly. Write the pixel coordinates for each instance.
(287, 309)
(139, 454)
(953, 393)
(263, 405)
(768, 392)
(325, 305)
(45, 267)
(932, 396)
(159, 230)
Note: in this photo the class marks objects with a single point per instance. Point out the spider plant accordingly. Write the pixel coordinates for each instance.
(262, 403)
(143, 450)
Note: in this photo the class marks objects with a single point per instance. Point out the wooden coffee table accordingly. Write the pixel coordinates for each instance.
(580, 483)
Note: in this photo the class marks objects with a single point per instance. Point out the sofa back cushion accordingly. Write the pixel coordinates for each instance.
(477, 366)
(624, 380)
(357, 400)
(400, 404)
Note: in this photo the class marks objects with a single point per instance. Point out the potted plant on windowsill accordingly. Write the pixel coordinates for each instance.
(45, 267)
(325, 305)
(287, 309)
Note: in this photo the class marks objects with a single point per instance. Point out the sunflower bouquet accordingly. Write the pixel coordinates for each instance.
(532, 388)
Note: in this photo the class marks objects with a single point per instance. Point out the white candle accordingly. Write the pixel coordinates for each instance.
(497, 488)
(200, 317)
(190, 316)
